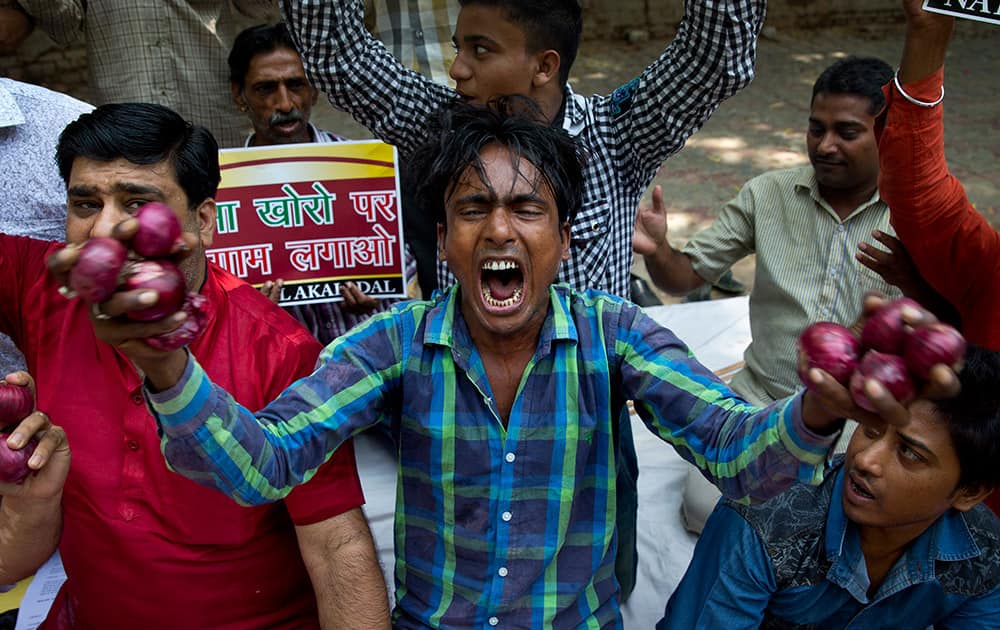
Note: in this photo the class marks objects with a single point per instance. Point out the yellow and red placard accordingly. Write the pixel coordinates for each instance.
(979, 10)
(314, 215)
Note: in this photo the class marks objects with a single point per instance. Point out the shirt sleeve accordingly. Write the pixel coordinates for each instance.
(729, 582)
(750, 453)
(257, 458)
(975, 613)
(730, 238)
(62, 20)
(358, 73)
(710, 59)
(930, 210)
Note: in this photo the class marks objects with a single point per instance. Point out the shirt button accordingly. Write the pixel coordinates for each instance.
(418, 34)
(507, 516)
(510, 458)
(840, 228)
(137, 399)
(502, 572)
(494, 621)
(833, 273)
(133, 445)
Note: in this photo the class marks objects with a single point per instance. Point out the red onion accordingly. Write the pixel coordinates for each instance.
(929, 345)
(161, 276)
(196, 307)
(885, 331)
(16, 403)
(14, 464)
(95, 274)
(829, 347)
(158, 230)
(887, 369)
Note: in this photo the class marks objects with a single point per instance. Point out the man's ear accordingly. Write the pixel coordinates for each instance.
(967, 498)
(237, 94)
(547, 65)
(565, 233)
(442, 232)
(207, 213)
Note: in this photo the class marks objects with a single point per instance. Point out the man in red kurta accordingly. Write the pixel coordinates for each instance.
(142, 546)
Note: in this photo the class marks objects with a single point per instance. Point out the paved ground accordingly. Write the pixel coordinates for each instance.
(763, 127)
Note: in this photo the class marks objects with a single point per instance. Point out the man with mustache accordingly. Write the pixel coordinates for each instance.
(269, 84)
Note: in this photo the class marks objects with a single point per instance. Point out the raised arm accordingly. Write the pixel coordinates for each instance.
(359, 75)
(669, 269)
(711, 58)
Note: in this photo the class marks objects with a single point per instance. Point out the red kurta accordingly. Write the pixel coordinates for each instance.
(144, 547)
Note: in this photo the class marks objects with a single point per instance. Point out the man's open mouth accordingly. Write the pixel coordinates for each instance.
(859, 489)
(501, 283)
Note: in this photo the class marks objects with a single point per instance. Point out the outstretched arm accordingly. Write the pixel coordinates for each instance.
(359, 75)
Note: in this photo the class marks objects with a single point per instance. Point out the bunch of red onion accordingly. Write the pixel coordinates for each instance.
(16, 403)
(889, 351)
(106, 266)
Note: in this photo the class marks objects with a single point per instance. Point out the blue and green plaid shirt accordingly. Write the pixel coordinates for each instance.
(494, 526)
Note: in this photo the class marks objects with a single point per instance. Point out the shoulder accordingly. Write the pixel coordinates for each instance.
(792, 527)
(37, 97)
(981, 573)
(264, 320)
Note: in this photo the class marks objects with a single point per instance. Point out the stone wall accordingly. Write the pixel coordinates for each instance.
(65, 69)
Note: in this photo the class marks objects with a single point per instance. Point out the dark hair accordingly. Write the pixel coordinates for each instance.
(555, 24)
(460, 133)
(254, 41)
(144, 133)
(973, 419)
(862, 76)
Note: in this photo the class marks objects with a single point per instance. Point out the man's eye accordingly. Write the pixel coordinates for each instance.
(480, 50)
(909, 454)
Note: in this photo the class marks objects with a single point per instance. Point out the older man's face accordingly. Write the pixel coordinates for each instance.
(278, 98)
(504, 242)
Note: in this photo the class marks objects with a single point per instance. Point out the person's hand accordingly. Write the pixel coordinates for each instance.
(650, 225)
(51, 459)
(827, 400)
(108, 318)
(272, 290)
(895, 266)
(916, 16)
(355, 301)
(15, 26)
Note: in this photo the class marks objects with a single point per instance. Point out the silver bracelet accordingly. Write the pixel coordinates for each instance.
(899, 87)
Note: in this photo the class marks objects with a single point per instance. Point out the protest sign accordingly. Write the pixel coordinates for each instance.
(981, 10)
(314, 215)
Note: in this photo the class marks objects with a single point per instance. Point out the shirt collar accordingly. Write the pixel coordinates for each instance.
(947, 539)
(10, 112)
(806, 180)
(444, 319)
(574, 112)
(319, 137)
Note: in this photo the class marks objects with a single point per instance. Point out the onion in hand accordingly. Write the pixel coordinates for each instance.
(829, 347)
(161, 276)
(887, 369)
(929, 345)
(885, 330)
(14, 464)
(16, 403)
(95, 275)
(158, 230)
(196, 307)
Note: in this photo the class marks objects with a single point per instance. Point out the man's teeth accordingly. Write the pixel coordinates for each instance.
(499, 265)
(492, 301)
